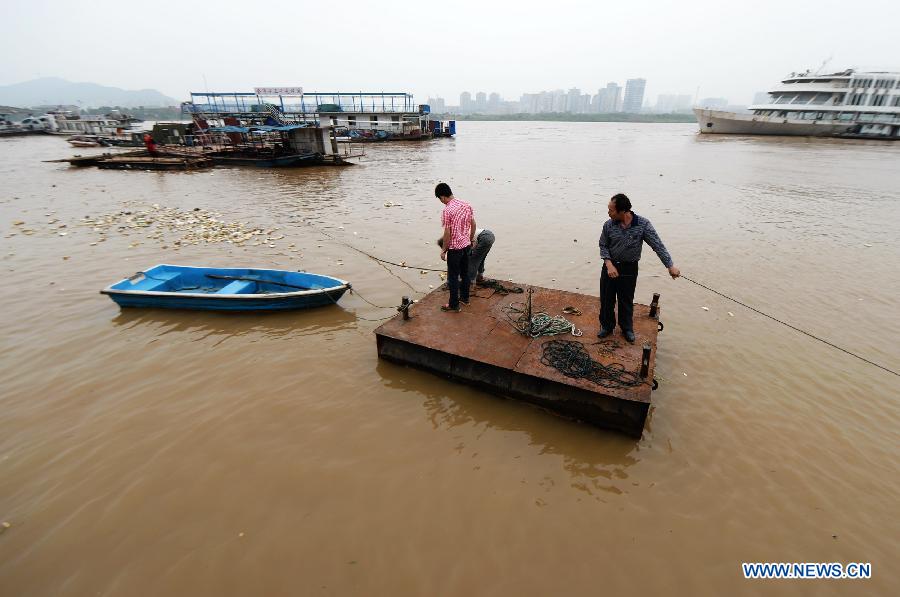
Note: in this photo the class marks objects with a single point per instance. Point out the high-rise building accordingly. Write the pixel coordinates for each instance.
(465, 102)
(573, 100)
(558, 100)
(480, 102)
(529, 103)
(585, 107)
(609, 98)
(438, 106)
(634, 95)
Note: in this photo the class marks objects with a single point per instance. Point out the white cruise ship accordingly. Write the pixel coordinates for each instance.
(844, 104)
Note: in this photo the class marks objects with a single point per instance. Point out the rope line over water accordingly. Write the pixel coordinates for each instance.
(784, 323)
(369, 255)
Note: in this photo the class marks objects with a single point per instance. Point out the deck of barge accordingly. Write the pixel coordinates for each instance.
(479, 346)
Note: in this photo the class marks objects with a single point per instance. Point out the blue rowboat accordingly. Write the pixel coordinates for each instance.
(225, 289)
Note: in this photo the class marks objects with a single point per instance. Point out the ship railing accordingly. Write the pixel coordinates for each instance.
(293, 109)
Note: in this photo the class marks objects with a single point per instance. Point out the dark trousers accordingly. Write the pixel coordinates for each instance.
(483, 244)
(458, 271)
(621, 290)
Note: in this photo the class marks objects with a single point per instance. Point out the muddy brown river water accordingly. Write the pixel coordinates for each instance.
(149, 452)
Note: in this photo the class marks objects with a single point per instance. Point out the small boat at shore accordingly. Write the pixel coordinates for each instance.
(225, 289)
(86, 141)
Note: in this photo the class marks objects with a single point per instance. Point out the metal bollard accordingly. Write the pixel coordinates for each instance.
(528, 313)
(654, 305)
(645, 361)
(405, 304)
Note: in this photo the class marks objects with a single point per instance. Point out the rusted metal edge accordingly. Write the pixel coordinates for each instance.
(594, 408)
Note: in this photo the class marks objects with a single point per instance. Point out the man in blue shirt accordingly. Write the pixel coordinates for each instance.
(621, 241)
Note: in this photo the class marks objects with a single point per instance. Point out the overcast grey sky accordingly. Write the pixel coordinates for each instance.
(726, 48)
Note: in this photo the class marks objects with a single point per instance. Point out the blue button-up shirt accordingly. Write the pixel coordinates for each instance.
(624, 244)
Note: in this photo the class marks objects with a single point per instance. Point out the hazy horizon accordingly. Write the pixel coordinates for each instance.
(695, 48)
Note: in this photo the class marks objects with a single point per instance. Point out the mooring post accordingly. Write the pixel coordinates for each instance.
(654, 305)
(528, 311)
(404, 307)
(645, 361)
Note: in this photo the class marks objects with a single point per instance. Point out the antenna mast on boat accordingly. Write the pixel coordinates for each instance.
(827, 60)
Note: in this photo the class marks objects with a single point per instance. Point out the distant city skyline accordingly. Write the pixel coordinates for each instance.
(609, 99)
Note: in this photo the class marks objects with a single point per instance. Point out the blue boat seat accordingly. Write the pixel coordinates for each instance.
(238, 287)
(158, 281)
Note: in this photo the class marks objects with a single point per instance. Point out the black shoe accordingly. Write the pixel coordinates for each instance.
(629, 336)
(603, 333)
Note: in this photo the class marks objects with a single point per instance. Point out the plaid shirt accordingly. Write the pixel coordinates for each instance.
(624, 244)
(458, 216)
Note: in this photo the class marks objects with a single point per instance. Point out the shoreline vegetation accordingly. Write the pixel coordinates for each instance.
(568, 117)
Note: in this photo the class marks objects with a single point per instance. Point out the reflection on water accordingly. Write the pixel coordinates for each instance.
(305, 322)
(596, 461)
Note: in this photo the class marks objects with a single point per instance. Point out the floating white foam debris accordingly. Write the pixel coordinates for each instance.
(867, 245)
(731, 314)
(705, 308)
(685, 374)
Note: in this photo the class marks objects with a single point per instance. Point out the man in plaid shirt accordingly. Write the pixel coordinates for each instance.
(621, 240)
(458, 221)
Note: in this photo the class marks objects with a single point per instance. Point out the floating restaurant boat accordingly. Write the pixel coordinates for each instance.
(851, 104)
(225, 289)
(353, 117)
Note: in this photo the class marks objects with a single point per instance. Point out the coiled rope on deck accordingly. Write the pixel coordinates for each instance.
(542, 323)
(796, 329)
(572, 360)
(535, 323)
